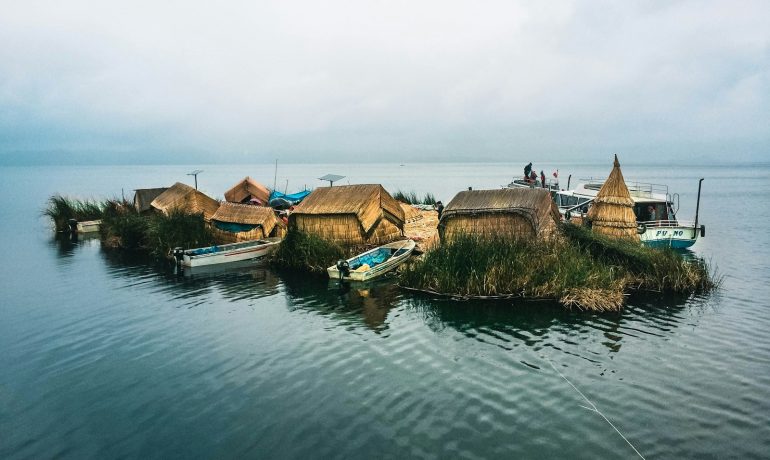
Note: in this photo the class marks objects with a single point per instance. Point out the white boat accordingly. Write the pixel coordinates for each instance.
(226, 253)
(654, 207)
(89, 226)
(372, 263)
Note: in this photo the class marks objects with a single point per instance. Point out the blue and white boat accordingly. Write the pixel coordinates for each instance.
(655, 209)
(372, 263)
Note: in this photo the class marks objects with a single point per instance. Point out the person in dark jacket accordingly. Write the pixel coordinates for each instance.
(527, 170)
(542, 178)
(439, 208)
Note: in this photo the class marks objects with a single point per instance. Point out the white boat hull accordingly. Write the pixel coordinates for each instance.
(89, 226)
(379, 269)
(672, 236)
(227, 253)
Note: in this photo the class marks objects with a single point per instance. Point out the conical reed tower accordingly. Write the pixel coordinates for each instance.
(612, 212)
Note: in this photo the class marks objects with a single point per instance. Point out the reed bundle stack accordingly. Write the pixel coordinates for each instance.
(235, 222)
(143, 198)
(612, 212)
(527, 213)
(185, 198)
(246, 190)
(350, 215)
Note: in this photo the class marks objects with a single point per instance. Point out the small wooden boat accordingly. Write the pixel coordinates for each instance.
(372, 263)
(89, 226)
(225, 253)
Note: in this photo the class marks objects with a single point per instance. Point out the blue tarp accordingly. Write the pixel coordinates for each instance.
(234, 228)
(294, 198)
(374, 258)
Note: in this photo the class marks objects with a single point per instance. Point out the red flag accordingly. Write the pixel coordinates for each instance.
(556, 173)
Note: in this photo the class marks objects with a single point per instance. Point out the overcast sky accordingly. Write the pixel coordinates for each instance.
(328, 81)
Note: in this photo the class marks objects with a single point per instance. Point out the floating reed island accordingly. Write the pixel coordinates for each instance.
(509, 243)
(485, 244)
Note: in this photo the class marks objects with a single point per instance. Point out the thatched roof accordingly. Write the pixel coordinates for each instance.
(410, 212)
(237, 213)
(368, 202)
(182, 196)
(534, 204)
(143, 197)
(246, 189)
(612, 212)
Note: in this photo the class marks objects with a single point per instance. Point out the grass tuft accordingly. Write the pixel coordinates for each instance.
(307, 252)
(411, 198)
(61, 209)
(178, 228)
(580, 270)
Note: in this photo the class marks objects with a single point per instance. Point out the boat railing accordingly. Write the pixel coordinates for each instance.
(667, 223)
(550, 184)
(579, 206)
(635, 188)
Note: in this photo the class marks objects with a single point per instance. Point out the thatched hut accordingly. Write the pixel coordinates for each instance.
(235, 222)
(508, 213)
(143, 198)
(246, 190)
(350, 215)
(184, 197)
(612, 212)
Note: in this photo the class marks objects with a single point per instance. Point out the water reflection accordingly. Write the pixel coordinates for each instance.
(508, 324)
(67, 244)
(367, 303)
(232, 282)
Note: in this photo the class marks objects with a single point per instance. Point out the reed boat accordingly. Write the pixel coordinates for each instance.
(655, 209)
(226, 253)
(372, 263)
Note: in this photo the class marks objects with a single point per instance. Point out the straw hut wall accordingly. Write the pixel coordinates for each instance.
(612, 212)
(235, 222)
(247, 189)
(350, 215)
(508, 213)
(184, 197)
(143, 198)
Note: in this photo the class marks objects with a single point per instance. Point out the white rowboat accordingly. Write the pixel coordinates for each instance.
(89, 226)
(226, 253)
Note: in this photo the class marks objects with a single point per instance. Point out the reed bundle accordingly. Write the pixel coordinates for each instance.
(612, 212)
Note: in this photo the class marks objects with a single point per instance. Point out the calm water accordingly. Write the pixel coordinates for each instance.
(106, 356)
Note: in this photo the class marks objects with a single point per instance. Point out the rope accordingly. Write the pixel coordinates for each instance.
(593, 408)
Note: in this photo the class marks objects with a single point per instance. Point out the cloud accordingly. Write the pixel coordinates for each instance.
(358, 80)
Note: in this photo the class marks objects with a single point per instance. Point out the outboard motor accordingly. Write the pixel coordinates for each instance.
(343, 267)
(178, 253)
(73, 225)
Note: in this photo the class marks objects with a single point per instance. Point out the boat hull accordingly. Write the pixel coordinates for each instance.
(237, 252)
(89, 226)
(379, 269)
(676, 237)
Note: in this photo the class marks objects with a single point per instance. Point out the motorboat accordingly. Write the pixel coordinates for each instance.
(373, 263)
(234, 252)
(655, 209)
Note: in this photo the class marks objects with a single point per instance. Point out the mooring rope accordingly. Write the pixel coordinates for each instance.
(593, 408)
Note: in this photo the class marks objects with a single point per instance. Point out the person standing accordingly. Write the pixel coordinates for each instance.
(542, 178)
(527, 170)
(439, 208)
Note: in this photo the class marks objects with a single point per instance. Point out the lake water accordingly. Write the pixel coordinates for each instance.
(104, 355)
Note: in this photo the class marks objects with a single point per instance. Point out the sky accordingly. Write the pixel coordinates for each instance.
(101, 82)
